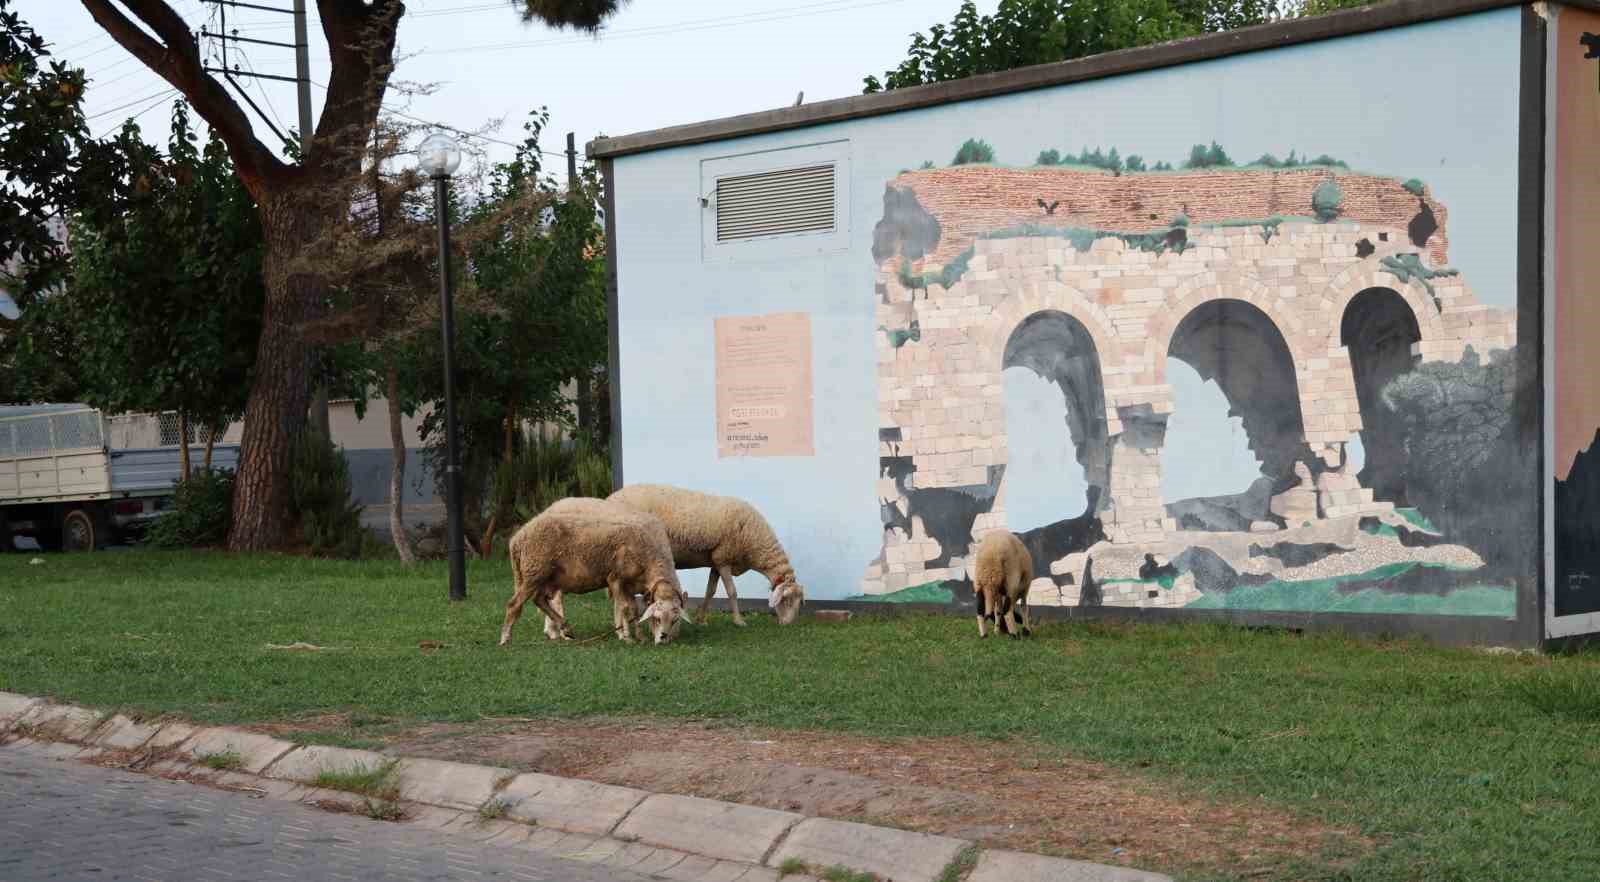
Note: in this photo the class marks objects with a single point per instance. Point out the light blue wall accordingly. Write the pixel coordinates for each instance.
(1434, 101)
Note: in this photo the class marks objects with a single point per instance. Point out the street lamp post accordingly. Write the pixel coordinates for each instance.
(439, 156)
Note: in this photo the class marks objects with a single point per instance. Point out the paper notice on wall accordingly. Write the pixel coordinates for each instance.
(764, 385)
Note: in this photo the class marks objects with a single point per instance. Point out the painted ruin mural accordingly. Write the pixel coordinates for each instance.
(1575, 588)
(1369, 391)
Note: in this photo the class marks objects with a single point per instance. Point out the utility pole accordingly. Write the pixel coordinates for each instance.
(585, 402)
(302, 73)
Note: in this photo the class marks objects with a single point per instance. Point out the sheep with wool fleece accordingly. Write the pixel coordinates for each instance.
(724, 533)
(578, 545)
(1002, 572)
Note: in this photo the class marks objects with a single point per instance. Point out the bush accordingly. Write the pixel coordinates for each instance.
(545, 470)
(1134, 163)
(1325, 200)
(319, 498)
(1048, 157)
(973, 151)
(1414, 187)
(1201, 156)
(200, 514)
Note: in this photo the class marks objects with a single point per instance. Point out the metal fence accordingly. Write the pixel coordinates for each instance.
(44, 433)
(137, 431)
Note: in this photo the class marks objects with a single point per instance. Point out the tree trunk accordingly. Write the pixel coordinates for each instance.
(275, 413)
(183, 445)
(211, 444)
(397, 476)
(486, 545)
(585, 404)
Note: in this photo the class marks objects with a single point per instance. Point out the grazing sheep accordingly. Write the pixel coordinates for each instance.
(577, 546)
(1000, 578)
(723, 533)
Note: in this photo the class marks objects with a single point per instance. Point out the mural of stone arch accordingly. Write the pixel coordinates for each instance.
(1060, 348)
(1379, 330)
(1044, 296)
(1344, 287)
(1240, 346)
(1202, 290)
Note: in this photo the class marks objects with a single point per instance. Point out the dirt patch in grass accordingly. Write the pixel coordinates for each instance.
(1015, 795)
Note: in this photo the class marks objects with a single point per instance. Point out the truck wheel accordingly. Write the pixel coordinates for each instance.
(80, 531)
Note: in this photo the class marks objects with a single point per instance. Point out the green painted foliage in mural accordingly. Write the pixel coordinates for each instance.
(1417, 518)
(1082, 238)
(973, 151)
(1326, 200)
(1048, 157)
(1323, 595)
(927, 592)
(945, 278)
(1414, 187)
(1406, 267)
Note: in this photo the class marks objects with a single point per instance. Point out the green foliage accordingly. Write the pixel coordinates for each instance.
(961, 865)
(1326, 200)
(163, 307)
(946, 278)
(379, 782)
(1556, 692)
(544, 470)
(973, 150)
(1161, 165)
(222, 761)
(1415, 187)
(199, 513)
(1025, 32)
(1134, 163)
(1406, 267)
(1182, 220)
(1083, 238)
(926, 164)
(1201, 156)
(319, 498)
(537, 271)
(1048, 157)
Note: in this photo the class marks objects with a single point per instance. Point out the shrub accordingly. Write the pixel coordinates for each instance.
(973, 151)
(545, 470)
(1161, 165)
(1325, 200)
(1201, 156)
(200, 514)
(319, 498)
(1134, 163)
(1048, 157)
(1414, 187)
(1267, 160)
(1182, 220)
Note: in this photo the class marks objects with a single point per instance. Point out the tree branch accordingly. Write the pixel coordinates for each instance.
(178, 62)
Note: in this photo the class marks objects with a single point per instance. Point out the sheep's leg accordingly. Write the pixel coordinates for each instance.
(514, 612)
(548, 605)
(1027, 626)
(711, 590)
(621, 606)
(733, 596)
(549, 624)
(984, 610)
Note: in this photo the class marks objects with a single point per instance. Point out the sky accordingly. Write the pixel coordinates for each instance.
(655, 64)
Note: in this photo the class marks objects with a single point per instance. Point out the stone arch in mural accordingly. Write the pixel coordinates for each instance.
(1237, 345)
(1061, 349)
(1379, 330)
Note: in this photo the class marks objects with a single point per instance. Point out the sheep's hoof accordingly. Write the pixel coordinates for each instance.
(740, 622)
(1027, 632)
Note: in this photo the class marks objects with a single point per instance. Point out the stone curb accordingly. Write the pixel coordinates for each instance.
(674, 837)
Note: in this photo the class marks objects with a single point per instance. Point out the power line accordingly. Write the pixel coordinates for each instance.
(153, 105)
(158, 95)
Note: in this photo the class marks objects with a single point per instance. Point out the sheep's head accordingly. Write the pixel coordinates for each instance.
(667, 610)
(785, 600)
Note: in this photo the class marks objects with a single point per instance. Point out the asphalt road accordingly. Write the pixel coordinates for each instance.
(67, 820)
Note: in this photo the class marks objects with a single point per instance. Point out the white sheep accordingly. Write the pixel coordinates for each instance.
(1001, 574)
(579, 545)
(723, 533)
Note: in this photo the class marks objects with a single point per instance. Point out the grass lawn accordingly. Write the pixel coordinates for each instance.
(1460, 765)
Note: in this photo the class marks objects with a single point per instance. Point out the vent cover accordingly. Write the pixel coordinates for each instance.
(781, 202)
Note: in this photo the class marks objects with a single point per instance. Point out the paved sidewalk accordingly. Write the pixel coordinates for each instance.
(66, 820)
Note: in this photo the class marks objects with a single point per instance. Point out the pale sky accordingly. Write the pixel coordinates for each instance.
(656, 64)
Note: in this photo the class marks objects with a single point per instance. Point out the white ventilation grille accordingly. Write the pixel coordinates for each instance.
(781, 202)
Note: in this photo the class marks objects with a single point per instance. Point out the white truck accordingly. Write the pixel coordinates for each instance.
(74, 479)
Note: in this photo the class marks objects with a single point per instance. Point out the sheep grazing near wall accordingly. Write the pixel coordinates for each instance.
(723, 533)
(1001, 574)
(580, 545)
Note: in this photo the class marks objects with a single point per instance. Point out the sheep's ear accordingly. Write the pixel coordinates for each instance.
(683, 613)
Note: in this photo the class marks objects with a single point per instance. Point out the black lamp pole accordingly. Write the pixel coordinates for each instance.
(452, 473)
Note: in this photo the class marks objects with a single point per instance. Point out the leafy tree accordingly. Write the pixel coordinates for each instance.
(1134, 163)
(1048, 157)
(1201, 156)
(163, 307)
(298, 202)
(974, 150)
(537, 288)
(1024, 32)
(42, 131)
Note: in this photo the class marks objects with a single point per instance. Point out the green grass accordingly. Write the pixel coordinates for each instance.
(223, 761)
(378, 782)
(1459, 765)
(957, 869)
(493, 810)
(837, 873)
(791, 867)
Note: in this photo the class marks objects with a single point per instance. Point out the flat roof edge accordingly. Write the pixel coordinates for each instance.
(1345, 23)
